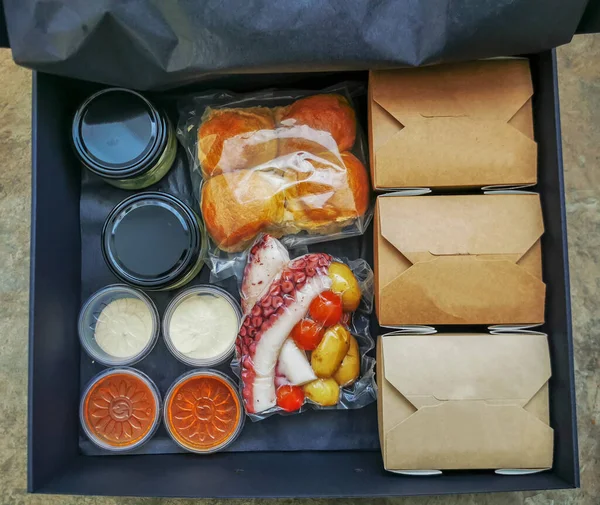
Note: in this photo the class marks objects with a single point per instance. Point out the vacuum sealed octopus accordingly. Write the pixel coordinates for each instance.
(281, 163)
(304, 335)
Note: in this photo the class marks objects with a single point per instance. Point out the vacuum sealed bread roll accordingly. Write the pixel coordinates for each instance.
(286, 163)
(318, 195)
(316, 123)
(237, 206)
(233, 139)
(327, 195)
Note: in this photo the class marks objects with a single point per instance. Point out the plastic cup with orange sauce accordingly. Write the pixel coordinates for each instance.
(120, 409)
(203, 411)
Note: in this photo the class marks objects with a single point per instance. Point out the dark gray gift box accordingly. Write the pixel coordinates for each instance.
(58, 464)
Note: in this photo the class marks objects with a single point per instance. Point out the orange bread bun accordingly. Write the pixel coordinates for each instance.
(237, 206)
(358, 179)
(328, 193)
(233, 139)
(316, 123)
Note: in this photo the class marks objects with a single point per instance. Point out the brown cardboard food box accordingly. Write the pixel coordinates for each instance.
(459, 125)
(464, 401)
(460, 259)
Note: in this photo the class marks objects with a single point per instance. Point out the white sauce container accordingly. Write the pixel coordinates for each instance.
(201, 324)
(96, 312)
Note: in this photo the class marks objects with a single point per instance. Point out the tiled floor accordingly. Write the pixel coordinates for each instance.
(579, 67)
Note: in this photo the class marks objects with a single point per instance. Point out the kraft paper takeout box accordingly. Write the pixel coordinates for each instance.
(459, 125)
(464, 401)
(460, 259)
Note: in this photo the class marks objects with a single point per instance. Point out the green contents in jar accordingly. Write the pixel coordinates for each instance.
(123, 138)
(155, 174)
(154, 241)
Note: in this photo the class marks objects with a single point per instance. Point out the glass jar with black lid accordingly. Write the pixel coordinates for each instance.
(154, 241)
(120, 136)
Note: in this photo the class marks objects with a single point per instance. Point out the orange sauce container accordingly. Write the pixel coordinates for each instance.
(120, 409)
(203, 411)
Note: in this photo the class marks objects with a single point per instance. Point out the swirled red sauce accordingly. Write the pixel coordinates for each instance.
(203, 413)
(120, 410)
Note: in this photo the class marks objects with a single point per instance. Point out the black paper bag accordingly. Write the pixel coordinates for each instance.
(153, 44)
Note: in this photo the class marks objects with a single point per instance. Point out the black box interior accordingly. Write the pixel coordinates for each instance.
(313, 454)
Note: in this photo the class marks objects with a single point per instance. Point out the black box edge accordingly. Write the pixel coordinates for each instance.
(565, 246)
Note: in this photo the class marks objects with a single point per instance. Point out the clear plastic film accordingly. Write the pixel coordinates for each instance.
(288, 163)
(304, 337)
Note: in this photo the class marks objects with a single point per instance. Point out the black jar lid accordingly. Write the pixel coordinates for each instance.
(151, 240)
(119, 134)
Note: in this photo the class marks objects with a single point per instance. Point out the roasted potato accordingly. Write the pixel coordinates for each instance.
(346, 285)
(330, 352)
(349, 369)
(325, 392)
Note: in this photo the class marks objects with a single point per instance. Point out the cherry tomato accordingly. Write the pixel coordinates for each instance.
(307, 334)
(290, 398)
(326, 308)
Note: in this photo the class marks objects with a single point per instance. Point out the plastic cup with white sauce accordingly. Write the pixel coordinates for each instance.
(201, 324)
(118, 325)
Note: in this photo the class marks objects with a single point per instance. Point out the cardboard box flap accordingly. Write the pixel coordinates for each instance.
(421, 227)
(469, 435)
(485, 90)
(464, 401)
(499, 369)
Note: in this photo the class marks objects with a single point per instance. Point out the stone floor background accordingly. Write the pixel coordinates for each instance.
(579, 79)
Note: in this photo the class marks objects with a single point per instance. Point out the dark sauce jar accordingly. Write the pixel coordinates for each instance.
(120, 136)
(154, 241)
